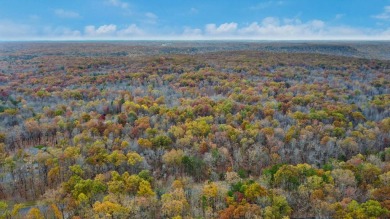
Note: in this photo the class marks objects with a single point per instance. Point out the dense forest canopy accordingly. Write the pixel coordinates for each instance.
(159, 130)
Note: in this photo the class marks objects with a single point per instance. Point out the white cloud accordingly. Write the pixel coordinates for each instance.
(10, 30)
(131, 30)
(269, 28)
(273, 28)
(344, 31)
(61, 33)
(118, 3)
(111, 31)
(317, 24)
(104, 30)
(225, 28)
(66, 14)
(190, 33)
(271, 21)
(385, 15)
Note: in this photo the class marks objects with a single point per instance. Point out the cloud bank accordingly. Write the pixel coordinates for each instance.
(269, 28)
(273, 28)
(111, 31)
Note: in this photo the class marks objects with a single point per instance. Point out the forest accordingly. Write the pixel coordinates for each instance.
(111, 130)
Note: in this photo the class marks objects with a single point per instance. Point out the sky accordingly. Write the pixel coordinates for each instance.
(22, 20)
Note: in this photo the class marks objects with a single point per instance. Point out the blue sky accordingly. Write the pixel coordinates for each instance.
(194, 20)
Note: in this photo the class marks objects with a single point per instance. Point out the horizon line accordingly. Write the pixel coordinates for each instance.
(199, 40)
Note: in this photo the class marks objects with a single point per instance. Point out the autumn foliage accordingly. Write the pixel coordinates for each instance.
(88, 133)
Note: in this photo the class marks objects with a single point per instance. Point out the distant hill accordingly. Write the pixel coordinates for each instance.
(28, 50)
